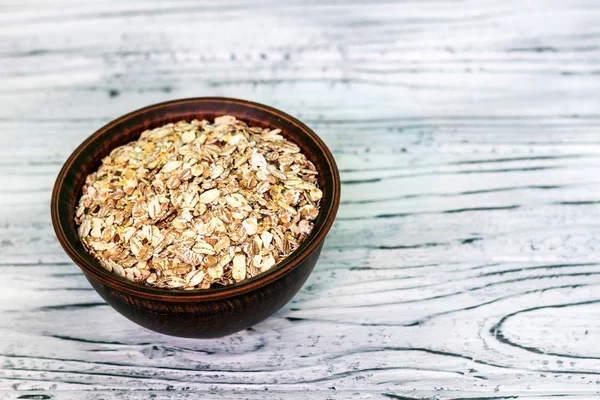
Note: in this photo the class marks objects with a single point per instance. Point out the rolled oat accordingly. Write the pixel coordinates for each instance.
(192, 205)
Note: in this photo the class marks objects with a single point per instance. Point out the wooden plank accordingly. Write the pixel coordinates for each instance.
(280, 395)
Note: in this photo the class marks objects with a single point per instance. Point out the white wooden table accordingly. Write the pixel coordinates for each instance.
(465, 262)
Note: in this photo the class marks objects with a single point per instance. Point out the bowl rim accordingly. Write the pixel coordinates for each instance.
(311, 243)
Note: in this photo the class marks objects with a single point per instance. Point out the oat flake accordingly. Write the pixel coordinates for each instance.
(192, 205)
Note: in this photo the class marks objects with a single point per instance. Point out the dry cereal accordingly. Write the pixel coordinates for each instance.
(193, 205)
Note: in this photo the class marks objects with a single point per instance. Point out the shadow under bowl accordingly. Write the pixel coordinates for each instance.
(211, 312)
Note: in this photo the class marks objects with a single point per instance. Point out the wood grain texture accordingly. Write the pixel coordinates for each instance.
(465, 260)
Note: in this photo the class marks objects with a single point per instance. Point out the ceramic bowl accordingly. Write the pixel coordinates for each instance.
(211, 312)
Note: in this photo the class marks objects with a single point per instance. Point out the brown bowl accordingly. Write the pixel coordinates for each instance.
(204, 313)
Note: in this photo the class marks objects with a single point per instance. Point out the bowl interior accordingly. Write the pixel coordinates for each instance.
(87, 157)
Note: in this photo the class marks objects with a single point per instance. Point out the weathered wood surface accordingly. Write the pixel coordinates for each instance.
(465, 262)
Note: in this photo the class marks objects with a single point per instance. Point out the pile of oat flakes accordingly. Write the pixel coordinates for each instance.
(195, 204)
